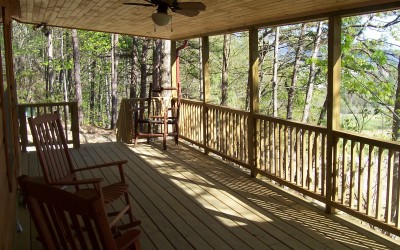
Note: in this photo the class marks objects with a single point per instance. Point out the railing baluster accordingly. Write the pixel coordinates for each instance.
(397, 223)
(389, 193)
(291, 154)
(352, 173)
(309, 160)
(303, 158)
(379, 193)
(361, 178)
(344, 171)
(281, 151)
(287, 160)
(323, 165)
(316, 164)
(370, 183)
(298, 160)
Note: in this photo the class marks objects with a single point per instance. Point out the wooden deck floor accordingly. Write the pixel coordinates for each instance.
(187, 200)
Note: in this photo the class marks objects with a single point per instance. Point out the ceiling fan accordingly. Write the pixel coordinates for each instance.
(161, 17)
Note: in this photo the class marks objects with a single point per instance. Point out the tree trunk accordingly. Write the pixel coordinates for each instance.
(296, 66)
(77, 73)
(275, 75)
(63, 77)
(143, 68)
(134, 75)
(396, 121)
(395, 137)
(49, 68)
(201, 90)
(312, 74)
(92, 90)
(99, 103)
(114, 79)
(322, 114)
(225, 65)
(157, 54)
(165, 69)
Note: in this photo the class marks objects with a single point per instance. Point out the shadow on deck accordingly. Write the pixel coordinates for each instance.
(187, 200)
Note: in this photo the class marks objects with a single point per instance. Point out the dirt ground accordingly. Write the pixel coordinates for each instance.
(92, 134)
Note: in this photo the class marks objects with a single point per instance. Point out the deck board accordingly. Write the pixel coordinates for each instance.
(187, 200)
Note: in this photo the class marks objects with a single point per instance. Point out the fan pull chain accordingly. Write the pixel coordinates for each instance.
(155, 28)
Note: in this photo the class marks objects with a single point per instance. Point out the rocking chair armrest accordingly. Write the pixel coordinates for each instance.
(126, 239)
(77, 182)
(102, 165)
(120, 164)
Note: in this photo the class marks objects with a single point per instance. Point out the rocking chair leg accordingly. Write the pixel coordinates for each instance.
(176, 134)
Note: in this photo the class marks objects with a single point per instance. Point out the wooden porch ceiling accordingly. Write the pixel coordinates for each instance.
(220, 16)
(187, 200)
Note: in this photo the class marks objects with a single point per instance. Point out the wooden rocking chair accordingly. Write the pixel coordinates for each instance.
(67, 221)
(56, 163)
(150, 122)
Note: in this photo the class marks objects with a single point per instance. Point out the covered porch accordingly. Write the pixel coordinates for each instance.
(187, 200)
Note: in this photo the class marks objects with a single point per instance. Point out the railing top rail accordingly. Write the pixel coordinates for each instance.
(140, 99)
(44, 104)
(316, 128)
(195, 102)
(393, 145)
(227, 109)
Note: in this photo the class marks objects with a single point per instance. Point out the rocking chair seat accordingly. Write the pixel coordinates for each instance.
(110, 192)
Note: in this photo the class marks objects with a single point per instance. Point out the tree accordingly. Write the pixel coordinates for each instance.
(77, 73)
(275, 75)
(225, 68)
(312, 73)
(114, 79)
(296, 66)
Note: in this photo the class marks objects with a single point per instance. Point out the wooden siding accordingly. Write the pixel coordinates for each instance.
(219, 17)
(187, 200)
(8, 187)
(7, 199)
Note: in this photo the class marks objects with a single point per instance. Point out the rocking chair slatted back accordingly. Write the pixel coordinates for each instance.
(51, 145)
(67, 221)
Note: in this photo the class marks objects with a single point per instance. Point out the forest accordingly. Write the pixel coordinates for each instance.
(99, 69)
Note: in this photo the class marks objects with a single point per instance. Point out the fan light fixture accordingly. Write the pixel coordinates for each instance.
(161, 19)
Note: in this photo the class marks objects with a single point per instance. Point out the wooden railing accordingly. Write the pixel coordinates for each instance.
(191, 116)
(125, 127)
(67, 110)
(363, 180)
(366, 178)
(292, 154)
(227, 134)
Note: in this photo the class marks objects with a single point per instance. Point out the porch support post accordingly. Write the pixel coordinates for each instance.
(205, 53)
(11, 85)
(254, 100)
(333, 104)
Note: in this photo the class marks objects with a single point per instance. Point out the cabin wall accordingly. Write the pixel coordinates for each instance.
(8, 193)
(8, 199)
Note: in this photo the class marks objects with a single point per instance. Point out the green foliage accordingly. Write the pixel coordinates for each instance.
(370, 56)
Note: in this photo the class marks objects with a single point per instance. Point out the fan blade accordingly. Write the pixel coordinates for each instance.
(140, 4)
(192, 6)
(189, 13)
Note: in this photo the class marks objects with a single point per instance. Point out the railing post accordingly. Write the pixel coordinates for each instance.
(75, 124)
(254, 100)
(333, 105)
(129, 132)
(205, 52)
(23, 129)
